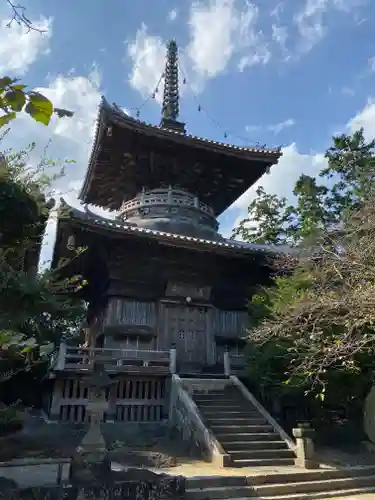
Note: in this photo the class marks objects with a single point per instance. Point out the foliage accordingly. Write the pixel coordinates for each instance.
(350, 175)
(314, 328)
(36, 309)
(271, 217)
(16, 97)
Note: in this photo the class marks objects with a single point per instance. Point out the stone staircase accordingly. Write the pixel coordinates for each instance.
(242, 431)
(309, 485)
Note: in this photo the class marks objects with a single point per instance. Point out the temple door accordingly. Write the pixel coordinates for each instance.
(186, 327)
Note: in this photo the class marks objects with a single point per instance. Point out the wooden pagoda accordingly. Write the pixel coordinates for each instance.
(166, 291)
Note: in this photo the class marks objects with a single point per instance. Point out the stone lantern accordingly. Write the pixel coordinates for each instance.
(92, 452)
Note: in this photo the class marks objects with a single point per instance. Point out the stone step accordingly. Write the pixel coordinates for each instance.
(233, 428)
(235, 396)
(346, 483)
(297, 475)
(258, 454)
(263, 462)
(216, 399)
(247, 436)
(228, 410)
(354, 494)
(222, 413)
(293, 475)
(237, 421)
(303, 490)
(252, 445)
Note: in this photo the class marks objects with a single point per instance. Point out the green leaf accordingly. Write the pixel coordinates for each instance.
(5, 81)
(19, 87)
(5, 119)
(16, 99)
(39, 107)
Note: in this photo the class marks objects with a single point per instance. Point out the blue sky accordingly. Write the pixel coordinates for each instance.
(286, 73)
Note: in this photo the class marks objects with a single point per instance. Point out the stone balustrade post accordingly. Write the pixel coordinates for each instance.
(173, 359)
(305, 450)
(226, 363)
(60, 364)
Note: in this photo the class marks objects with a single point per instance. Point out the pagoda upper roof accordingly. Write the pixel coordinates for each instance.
(90, 221)
(129, 154)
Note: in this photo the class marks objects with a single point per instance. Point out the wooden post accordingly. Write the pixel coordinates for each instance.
(60, 365)
(226, 363)
(173, 359)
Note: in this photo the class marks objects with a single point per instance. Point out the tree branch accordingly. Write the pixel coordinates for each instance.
(19, 17)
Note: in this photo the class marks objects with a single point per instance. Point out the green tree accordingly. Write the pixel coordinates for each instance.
(351, 166)
(36, 309)
(346, 182)
(267, 222)
(319, 308)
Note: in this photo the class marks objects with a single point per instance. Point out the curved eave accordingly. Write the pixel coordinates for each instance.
(113, 228)
(112, 115)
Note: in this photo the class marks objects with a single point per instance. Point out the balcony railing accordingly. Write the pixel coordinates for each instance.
(83, 358)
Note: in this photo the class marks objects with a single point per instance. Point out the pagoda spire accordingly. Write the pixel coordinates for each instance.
(170, 107)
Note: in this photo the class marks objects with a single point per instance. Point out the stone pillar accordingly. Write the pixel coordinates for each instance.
(173, 359)
(226, 363)
(112, 399)
(305, 447)
(54, 410)
(60, 363)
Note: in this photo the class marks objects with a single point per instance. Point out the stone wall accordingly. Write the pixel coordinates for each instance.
(133, 484)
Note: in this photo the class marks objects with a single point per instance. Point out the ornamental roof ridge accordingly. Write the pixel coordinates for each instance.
(87, 216)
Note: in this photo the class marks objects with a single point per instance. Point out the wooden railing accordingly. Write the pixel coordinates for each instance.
(83, 358)
(131, 399)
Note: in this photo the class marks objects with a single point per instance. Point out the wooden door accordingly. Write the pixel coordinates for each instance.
(186, 327)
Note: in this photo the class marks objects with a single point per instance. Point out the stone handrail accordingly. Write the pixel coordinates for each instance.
(252, 399)
(185, 416)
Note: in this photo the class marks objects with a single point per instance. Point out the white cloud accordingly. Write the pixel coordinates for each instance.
(19, 49)
(292, 164)
(147, 53)
(283, 176)
(218, 31)
(278, 10)
(276, 128)
(67, 138)
(280, 36)
(310, 20)
(279, 127)
(310, 25)
(366, 119)
(371, 63)
(253, 128)
(172, 15)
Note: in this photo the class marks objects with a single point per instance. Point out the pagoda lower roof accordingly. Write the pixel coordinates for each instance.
(129, 154)
(110, 227)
